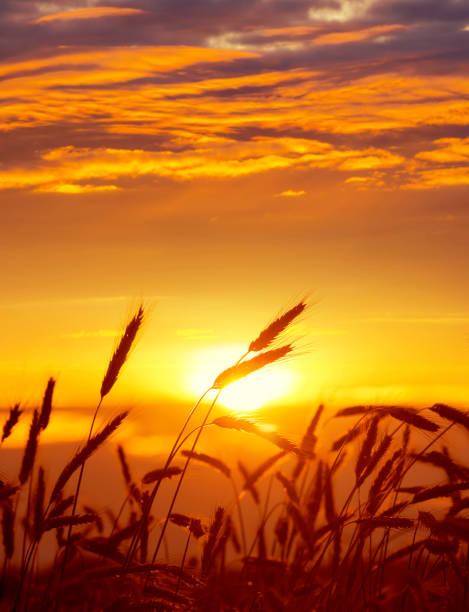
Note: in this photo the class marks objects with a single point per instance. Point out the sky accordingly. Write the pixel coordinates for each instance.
(220, 160)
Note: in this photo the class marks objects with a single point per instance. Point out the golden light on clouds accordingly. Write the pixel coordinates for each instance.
(337, 38)
(89, 13)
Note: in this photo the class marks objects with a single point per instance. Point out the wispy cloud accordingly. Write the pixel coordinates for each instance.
(89, 13)
(290, 193)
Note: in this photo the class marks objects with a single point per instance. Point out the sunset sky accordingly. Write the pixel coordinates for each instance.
(220, 160)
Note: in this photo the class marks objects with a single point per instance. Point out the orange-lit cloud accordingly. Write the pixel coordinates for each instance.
(440, 177)
(450, 150)
(291, 193)
(90, 13)
(63, 170)
(338, 38)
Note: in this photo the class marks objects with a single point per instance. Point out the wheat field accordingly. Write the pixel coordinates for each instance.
(369, 540)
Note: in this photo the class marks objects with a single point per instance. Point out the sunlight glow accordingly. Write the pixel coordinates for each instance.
(243, 396)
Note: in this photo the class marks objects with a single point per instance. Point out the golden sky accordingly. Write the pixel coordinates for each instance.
(220, 160)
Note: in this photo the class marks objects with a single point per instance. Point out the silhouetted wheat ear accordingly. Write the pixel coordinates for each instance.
(410, 416)
(122, 351)
(451, 414)
(12, 420)
(264, 466)
(289, 487)
(315, 496)
(82, 455)
(272, 331)
(240, 370)
(248, 484)
(124, 465)
(439, 491)
(376, 457)
(194, 525)
(30, 449)
(445, 462)
(46, 407)
(64, 521)
(240, 424)
(308, 443)
(214, 530)
(392, 522)
(367, 446)
(354, 411)
(351, 434)
(216, 463)
(161, 473)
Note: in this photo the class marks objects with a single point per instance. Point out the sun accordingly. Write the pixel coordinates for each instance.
(243, 396)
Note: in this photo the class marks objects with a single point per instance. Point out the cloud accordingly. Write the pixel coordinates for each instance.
(89, 13)
(69, 169)
(450, 150)
(441, 177)
(338, 38)
(341, 10)
(88, 107)
(291, 193)
(77, 188)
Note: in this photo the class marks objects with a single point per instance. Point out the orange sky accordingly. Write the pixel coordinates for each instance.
(219, 162)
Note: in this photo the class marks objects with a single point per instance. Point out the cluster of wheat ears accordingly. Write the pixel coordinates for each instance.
(388, 546)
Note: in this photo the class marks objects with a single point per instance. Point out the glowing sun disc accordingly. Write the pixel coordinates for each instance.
(247, 394)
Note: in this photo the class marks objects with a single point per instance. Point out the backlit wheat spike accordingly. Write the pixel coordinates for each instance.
(441, 547)
(410, 416)
(46, 407)
(367, 447)
(240, 424)
(315, 495)
(351, 434)
(272, 331)
(194, 525)
(354, 411)
(242, 369)
(248, 485)
(439, 491)
(289, 487)
(122, 351)
(451, 414)
(445, 462)
(82, 455)
(12, 420)
(161, 473)
(216, 463)
(393, 522)
(60, 506)
(209, 548)
(308, 443)
(30, 449)
(264, 466)
(376, 458)
(64, 521)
